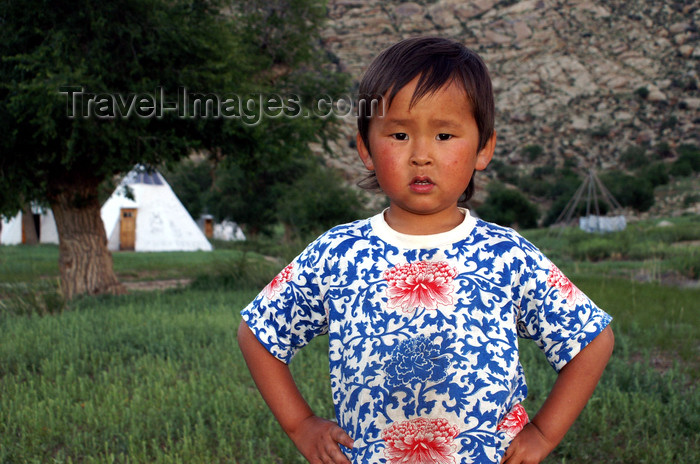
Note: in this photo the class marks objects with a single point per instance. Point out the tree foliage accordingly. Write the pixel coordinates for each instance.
(263, 160)
(124, 49)
(121, 47)
(308, 202)
(138, 47)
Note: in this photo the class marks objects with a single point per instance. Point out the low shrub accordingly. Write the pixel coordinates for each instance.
(681, 168)
(656, 173)
(597, 248)
(669, 123)
(634, 157)
(690, 199)
(634, 192)
(508, 207)
(663, 150)
(642, 92)
(504, 172)
(690, 155)
(565, 184)
(534, 185)
(533, 151)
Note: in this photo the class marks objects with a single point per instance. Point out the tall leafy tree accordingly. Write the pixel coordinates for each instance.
(72, 75)
(263, 161)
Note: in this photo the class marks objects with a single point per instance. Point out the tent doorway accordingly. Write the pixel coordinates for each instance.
(31, 227)
(127, 229)
(209, 226)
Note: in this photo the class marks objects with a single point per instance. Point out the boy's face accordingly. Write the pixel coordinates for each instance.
(424, 157)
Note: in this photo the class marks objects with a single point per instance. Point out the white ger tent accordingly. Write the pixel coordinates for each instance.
(153, 220)
(225, 230)
(14, 231)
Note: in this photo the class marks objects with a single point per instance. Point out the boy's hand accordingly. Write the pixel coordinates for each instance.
(528, 447)
(574, 386)
(318, 440)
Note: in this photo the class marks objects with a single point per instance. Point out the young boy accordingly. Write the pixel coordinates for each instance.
(423, 303)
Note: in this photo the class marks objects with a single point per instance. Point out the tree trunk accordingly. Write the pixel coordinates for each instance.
(29, 235)
(84, 261)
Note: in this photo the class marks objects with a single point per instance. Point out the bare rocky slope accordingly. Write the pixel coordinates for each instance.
(584, 80)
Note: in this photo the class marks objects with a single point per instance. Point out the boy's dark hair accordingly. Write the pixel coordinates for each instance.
(437, 61)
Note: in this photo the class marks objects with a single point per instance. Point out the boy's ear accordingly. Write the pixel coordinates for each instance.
(364, 152)
(483, 158)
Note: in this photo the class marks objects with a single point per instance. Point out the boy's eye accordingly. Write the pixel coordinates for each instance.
(400, 136)
(444, 137)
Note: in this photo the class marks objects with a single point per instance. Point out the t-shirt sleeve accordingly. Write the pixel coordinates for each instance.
(289, 312)
(554, 313)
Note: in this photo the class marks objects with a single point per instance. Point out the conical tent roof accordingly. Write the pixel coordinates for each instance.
(161, 221)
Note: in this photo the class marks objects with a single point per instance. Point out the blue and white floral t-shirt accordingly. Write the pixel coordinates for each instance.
(423, 331)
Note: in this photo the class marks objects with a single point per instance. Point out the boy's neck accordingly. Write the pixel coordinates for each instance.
(409, 223)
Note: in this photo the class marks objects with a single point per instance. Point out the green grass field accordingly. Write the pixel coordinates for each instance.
(157, 376)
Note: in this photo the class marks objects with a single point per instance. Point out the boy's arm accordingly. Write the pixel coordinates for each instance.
(316, 438)
(570, 393)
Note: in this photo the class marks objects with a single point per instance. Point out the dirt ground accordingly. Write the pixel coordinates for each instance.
(147, 285)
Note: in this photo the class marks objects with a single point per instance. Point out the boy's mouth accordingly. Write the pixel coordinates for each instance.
(422, 181)
(422, 184)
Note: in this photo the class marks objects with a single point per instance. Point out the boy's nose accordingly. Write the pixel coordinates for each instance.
(421, 154)
(421, 159)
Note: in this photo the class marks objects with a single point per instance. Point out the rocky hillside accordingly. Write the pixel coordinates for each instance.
(583, 79)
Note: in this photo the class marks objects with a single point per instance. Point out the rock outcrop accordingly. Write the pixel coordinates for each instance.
(583, 79)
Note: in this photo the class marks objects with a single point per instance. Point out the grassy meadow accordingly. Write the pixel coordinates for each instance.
(156, 376)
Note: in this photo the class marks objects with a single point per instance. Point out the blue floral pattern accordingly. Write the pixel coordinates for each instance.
(423, 333)
(416, 361)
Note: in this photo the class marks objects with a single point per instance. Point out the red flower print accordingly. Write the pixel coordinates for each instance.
(513, 422)
(277, 283)
(562, 283)
(420, 441)
(422, 284)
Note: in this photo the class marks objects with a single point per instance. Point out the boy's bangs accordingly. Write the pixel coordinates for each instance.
(436, 77)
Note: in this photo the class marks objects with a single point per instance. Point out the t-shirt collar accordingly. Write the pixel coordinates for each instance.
(391, 236)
